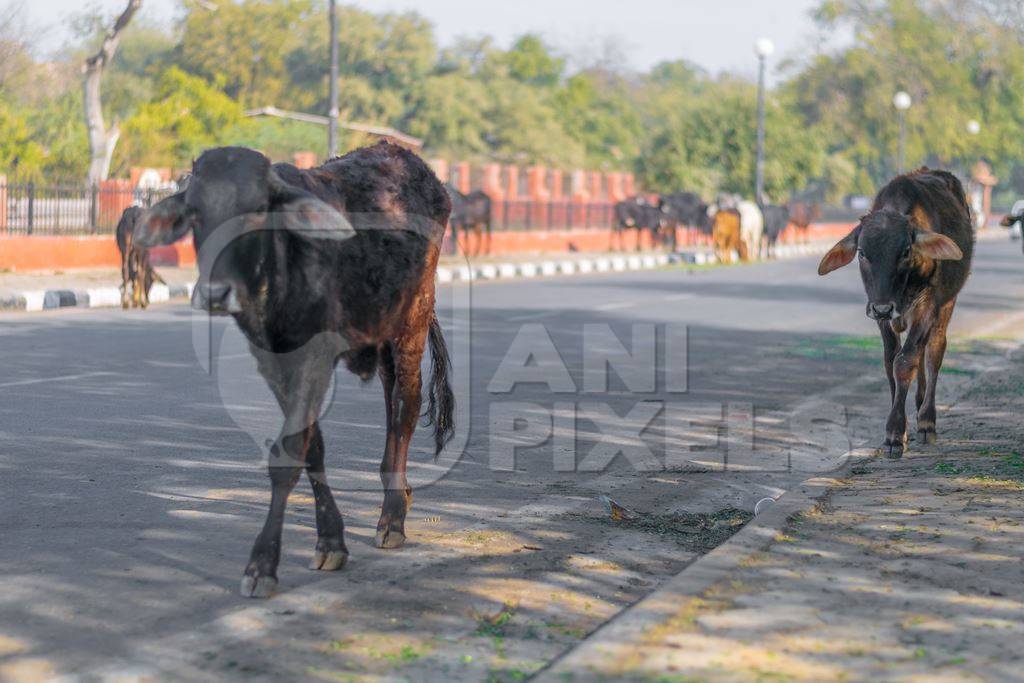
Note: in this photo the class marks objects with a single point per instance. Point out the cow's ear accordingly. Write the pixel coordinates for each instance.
(936, 246)
(305, 215)
(165, 222)
(841, 254)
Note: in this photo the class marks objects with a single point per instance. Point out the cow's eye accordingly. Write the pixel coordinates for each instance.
(860, 254)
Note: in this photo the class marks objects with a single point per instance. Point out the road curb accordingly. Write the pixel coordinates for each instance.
(618, 637)
(601, 264)
(93, 297)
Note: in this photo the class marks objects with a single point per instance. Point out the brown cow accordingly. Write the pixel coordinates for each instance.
(316, 266)
(726, 236)
(137, 274)
(914, 249)
(470, 213)
(804, 209)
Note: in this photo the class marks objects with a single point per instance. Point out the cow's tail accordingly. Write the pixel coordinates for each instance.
(440, 398)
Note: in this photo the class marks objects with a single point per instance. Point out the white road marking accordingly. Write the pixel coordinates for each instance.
(616, 305)
(531, 316)
(62, 378)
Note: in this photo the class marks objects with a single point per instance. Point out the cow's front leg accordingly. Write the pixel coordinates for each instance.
(286, 462)
(905, 368)
(330, 552)
(403, 362)
(890, 346)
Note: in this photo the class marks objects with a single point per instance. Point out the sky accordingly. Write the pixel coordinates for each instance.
(718, 35)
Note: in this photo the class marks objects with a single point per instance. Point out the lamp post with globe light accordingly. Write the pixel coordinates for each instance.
(973, 127)
(763, 48)
(901, 100)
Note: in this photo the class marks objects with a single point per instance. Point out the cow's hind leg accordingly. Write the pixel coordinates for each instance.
(934, 353)
(330, 552)
(400, 374)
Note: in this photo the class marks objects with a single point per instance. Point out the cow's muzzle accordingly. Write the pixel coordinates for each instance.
(882, 311)
(216, 298)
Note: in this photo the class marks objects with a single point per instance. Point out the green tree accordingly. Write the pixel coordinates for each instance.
(531, 61)
(710, 146)
(185, 116)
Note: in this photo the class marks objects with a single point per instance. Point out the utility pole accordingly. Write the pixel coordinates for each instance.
(332, 125)
(764, 49)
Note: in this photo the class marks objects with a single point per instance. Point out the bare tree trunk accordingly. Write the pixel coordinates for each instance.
(102, 141)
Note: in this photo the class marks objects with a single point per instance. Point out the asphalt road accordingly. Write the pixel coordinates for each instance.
(131, 482)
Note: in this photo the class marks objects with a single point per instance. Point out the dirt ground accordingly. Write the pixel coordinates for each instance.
(908, 570)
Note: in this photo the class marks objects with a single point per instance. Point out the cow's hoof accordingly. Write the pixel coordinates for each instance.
(927, 436)
(258, 586)
(390, 538)
(329, 560)
(893, 449)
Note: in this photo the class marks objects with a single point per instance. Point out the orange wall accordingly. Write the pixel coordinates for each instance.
(21, 253)
(601, 239)
(43, 252)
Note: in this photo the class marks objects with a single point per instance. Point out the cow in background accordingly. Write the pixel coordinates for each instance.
(751, 227)
(137, 274)
(751, 221)
(636, 213)
(726, 236)
(684, 209)
(914, 251)
(776, 218)
(804, 209)
(1015, 220)
(471, 212)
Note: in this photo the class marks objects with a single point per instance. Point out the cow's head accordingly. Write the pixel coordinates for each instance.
(1010, 218)
(233, 198)
(894, 250)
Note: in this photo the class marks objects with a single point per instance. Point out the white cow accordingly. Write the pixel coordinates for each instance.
(751, 227)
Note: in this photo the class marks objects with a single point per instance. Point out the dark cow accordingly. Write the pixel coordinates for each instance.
(636, 213)
(804, 209)
(684, 209)
(776, 218)
(316, 266)
(137, 274)
(471, 212)
(914, 249)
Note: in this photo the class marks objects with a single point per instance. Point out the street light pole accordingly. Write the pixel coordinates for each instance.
(332, 124)
(763, 48)
(901, 100)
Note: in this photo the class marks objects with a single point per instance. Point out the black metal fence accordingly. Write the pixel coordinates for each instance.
(48, 209)
(528, 214)
(39, 209)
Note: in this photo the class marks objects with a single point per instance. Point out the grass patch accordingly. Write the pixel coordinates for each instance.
(566, 630)
(1001, 469)
(953, 370)
(843, 348)
(495, 625)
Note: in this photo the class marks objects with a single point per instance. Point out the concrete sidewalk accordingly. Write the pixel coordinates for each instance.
(904, 570)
